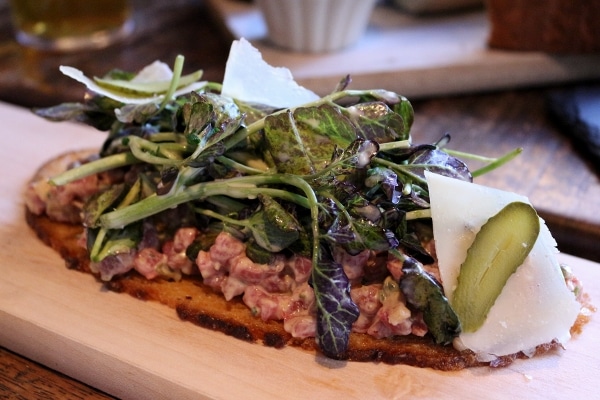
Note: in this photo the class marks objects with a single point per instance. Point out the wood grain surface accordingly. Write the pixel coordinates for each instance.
(21, 378)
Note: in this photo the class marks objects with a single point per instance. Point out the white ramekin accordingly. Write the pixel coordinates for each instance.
(315, 26)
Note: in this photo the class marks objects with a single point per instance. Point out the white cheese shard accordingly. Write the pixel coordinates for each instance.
(535, 306)
(156, 72)
(250, 79)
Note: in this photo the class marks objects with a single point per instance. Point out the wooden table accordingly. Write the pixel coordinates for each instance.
(560, 179)
(163, 30)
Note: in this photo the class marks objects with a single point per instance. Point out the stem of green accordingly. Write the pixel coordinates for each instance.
(212, 214)
(93, 167)
(418, 214)
(177, 70)
(400, 144)
(401, 169)
(239, 166)
(242, 187)
(498, 162)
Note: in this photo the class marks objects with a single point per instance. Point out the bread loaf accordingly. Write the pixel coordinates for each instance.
(552, 26)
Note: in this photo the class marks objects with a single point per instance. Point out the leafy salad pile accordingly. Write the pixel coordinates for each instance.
(340, 171)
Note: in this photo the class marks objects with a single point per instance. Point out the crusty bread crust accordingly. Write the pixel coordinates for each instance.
(199, 304)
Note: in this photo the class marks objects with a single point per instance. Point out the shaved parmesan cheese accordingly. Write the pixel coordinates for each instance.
(250, 79)
(534, 307)
(155, 72)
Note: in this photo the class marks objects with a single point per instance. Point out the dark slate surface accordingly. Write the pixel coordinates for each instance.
(577, 111)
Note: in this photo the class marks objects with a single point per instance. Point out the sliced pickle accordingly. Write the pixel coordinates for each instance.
(499, 248)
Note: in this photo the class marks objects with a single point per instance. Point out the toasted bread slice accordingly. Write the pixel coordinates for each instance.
(199, 304)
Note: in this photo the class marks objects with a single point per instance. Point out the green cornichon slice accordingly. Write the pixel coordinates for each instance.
(499, 248)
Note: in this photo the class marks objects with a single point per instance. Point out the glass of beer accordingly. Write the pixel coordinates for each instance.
(69, 25)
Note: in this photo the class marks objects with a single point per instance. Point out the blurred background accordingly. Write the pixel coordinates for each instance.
(422, 49)
(162, 30)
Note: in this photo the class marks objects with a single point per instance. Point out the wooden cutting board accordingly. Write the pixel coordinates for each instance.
(415, 56)
(131, 349)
